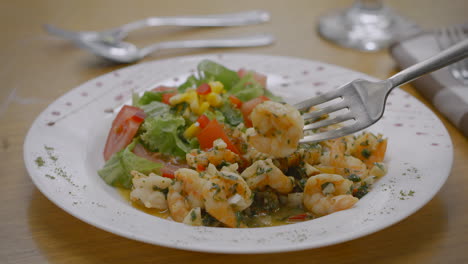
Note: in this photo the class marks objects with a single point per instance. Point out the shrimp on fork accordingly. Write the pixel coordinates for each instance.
(277, 128)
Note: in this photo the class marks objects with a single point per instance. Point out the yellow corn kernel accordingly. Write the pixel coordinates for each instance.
(203, 107)
(216, 87)
(192, 130)
(191, 95)
(177, 99)
(194, 104)
(214, 99)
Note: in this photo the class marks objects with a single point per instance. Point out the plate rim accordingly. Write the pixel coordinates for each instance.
(274, 249)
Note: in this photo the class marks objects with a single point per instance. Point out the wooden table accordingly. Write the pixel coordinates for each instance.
(38, 68)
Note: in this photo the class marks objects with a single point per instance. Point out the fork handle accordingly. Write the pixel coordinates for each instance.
(453, 54)
(222, 20)
(243, 41)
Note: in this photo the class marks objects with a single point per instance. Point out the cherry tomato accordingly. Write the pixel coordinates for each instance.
(203, 120)
(235, 101)
(248, 107)
(124, 128)
(204, 89)
(167, 96)
(210, 133)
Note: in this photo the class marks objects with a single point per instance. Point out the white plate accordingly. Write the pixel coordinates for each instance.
(63, 151)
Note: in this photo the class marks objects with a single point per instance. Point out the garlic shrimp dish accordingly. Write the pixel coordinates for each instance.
(221, 150)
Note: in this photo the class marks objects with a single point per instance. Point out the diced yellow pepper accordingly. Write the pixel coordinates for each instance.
(192, 130)
(177, 99)
(214, 99)
(216, 87)
(194, 104)
(203, 107)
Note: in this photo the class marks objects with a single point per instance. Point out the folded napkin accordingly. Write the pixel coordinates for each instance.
(446, 93)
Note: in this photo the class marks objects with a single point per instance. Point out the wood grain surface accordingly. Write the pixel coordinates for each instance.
(38, 68)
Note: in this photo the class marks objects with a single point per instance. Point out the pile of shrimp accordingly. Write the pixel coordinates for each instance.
(320, 178)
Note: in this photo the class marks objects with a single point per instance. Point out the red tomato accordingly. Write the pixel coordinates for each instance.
(299, 217)
(260, 78)
(163, 88)
(235, 101)
(124, 128)
(167, 96)
(204, 89)
(200, 167)
(203, 120)
(248, 107)
(210, 133)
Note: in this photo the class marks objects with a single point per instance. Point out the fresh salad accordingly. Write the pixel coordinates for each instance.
(222, 150)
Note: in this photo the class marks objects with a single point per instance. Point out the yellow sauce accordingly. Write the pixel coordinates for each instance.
(277, 218)
(152, 211)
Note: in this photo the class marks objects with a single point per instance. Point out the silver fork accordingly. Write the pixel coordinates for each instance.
(447, 37)
(117, 34)
(365, 100)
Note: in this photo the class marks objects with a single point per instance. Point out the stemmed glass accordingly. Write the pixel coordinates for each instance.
(367, 25)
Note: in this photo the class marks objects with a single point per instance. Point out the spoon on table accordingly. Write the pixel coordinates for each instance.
(125, 52)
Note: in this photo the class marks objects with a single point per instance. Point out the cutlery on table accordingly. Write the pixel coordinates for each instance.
(117, 34)
(365, 100)
(447, 37)
(125, 52)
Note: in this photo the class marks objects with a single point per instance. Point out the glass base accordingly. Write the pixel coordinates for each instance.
(365, 29)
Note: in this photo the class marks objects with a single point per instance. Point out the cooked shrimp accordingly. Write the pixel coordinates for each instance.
(309, 154)
(150, 190)
(340, 162)
(221, 193)
(369, 148)
(226, 194)
(178, 205)
(277, 129)
(328, 193)
(217, 155)
(264, 173)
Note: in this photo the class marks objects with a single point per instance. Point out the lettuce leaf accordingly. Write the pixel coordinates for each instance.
(191, 82)
(209, 70)
(161, 133)
(155, 108)
(116, 171)
(247, 88)
(233, 116)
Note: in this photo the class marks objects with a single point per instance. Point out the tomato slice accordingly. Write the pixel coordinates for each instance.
(163, 88)
(210, 133)
(248, 107)
(167, 96)
(204, 89)
(260, 78)
(124, 128)
(235, 101)
(203, 121)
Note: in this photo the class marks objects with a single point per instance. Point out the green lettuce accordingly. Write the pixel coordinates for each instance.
(191, 82)
(116, 171)
(232, 116)
(161, 133)
(155, 108)
(209, 70)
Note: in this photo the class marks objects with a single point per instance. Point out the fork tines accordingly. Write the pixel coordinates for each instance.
(345, 97)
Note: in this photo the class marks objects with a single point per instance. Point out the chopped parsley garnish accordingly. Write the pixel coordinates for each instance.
(366, 153)
(354, 178)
